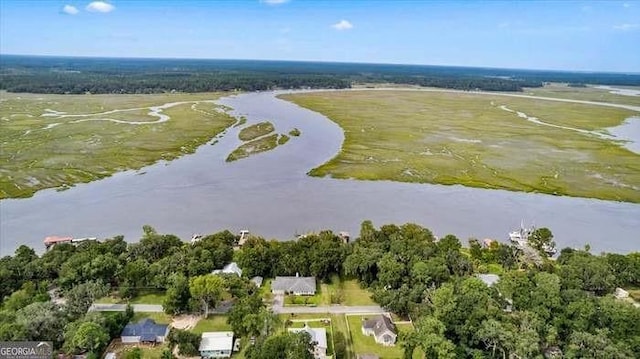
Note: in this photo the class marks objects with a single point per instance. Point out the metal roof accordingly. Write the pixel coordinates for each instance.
(216, 341)
(318, 335)
(145, 328)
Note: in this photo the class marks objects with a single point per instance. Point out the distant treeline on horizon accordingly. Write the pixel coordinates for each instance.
(78, 75)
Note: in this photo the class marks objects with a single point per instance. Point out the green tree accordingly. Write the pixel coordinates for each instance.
(596, 346)
(282, 346)
(207, 289)
(81, 297)
(178, 295)
(90, 337)
(542, 238)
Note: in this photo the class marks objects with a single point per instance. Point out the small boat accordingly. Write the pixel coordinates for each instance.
(521, 236)
(51, 241)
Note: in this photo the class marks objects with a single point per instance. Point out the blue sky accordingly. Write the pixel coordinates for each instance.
(570, 35)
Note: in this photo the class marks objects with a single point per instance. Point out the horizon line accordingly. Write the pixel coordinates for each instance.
(324, 61)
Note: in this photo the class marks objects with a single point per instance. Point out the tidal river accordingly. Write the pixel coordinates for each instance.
(270, 195)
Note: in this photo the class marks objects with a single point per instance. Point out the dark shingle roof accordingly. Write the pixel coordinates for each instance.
(379, 324)
(146, 329)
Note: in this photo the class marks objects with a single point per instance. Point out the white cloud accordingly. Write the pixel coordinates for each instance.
(626, 27)
(70, 10)
(100, 6)
(274, 2)
(342, 25)
(626, 5)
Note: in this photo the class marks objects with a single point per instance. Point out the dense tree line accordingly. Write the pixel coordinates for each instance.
(60, 75)
(537, 308)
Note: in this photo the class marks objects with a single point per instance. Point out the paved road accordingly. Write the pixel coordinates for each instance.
(331, 309)
(279, 308)
(146, 308)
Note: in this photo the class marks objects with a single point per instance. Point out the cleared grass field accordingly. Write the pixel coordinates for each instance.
(213, 323)
(478, 140)
(55, 141)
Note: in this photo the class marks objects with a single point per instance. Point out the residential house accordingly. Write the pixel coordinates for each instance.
(257, 280)
(231, 268)
(488, 279)
(621, 293)
(216, 345)
(144, 331)
(318, 337)
(294, 285)
(381, 328)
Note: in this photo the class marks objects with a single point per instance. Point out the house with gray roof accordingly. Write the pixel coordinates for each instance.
(381, 328)
(294, 285)
(231, 268)
(144, 331)
(318, 338)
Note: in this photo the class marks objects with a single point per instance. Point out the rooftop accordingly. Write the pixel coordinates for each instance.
(318, 335)
(231, 268)
(379, 324)
(489, 279)
(146, 329)
(216, 341)
(294, 284)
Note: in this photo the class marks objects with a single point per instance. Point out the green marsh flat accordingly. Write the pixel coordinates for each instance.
(55, 141)
(479, 140)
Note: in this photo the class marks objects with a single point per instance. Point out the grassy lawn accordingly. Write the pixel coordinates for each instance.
(160, 318)
(148, 351)
(214, 323)
(148, 297)
(110, 300)
(362, 344)
(256, 130)
(354, 295)
(58, 151)
(478, 140)
(293, 300)
(348, 292)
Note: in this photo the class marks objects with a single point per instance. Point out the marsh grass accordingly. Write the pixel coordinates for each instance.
(262, 144)
(465, 138)
(256, 130)
(36, 154)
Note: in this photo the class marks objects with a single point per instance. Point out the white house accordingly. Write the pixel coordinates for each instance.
(144, 331)
(318, 337)
(294, 285)
(216, 344)
(381, 328)
(231, 268)
(489, 279)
